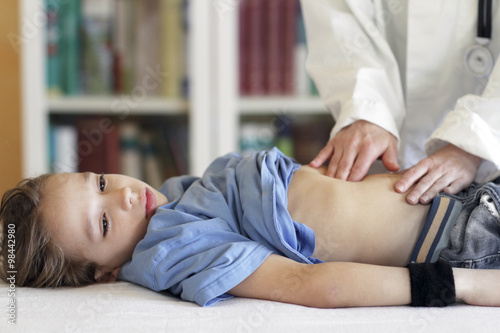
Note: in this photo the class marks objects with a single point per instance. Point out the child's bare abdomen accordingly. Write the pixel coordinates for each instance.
(365, 221)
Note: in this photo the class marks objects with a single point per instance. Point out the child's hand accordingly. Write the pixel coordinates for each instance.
(478, 286)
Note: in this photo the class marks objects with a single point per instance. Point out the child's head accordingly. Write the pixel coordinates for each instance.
(73, 229)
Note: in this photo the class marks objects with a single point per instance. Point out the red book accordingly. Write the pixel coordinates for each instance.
(98, 145)
(274, 46)
(243, 46)
(255, 27)
(113, 150)
(289, 40)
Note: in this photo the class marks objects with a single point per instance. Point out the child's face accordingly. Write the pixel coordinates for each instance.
(99, 217)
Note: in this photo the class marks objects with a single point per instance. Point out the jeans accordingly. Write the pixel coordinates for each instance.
(475, 237)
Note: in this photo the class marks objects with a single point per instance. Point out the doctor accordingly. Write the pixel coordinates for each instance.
(413, 83)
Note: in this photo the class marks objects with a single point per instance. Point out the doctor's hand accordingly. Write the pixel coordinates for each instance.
(354, 149)
(449, 169)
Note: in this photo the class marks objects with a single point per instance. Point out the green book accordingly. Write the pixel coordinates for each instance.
(52, 47)
(70, 46)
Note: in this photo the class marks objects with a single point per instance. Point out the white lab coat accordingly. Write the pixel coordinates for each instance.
(399, 64)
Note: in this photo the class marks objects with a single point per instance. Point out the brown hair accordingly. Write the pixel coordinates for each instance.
(26, 246)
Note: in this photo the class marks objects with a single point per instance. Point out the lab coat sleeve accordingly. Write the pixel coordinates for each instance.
(474, 126)
(352, 64)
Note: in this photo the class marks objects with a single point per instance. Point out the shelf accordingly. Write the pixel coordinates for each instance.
(118, 105)
(177, 106)
(281, 104)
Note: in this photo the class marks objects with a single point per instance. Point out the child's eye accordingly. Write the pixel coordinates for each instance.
(105, 225)
(102, 183)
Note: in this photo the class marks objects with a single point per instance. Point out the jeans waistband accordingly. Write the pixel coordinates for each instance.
(436, 231)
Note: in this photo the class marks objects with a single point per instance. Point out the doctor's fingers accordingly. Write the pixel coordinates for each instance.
(352, 164)
(430, 179)
(323, 155)
(457, 185)
(430, 186)
(334, 162)
(436, 182)
(390, 157)
(341, 162)
(352, 158)
(364, 159)
(411, 177)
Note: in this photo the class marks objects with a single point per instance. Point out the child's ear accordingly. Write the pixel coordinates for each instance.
(102, 275)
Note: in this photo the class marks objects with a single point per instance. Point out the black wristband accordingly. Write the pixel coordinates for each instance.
(432, 284)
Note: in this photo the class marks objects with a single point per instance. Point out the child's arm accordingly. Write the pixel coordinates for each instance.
(327, 285)
(338, 284)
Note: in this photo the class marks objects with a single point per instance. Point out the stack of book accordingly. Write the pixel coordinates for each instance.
(272, 49)
(103, 47)
(151, 152)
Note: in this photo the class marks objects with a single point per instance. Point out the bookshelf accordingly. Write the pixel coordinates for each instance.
(214, 111)
(39, 109)
(233, 108)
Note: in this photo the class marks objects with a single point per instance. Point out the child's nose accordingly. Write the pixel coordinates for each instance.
(125, 198)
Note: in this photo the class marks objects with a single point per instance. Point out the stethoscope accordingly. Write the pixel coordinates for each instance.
(478, 60)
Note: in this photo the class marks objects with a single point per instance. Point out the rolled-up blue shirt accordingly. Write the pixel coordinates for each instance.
(218, 229)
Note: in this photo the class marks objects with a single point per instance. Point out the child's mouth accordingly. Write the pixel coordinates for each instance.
(149, 203)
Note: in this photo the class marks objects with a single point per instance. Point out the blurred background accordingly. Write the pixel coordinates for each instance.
(153, 88)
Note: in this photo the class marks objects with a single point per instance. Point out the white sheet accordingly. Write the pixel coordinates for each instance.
(124, 307)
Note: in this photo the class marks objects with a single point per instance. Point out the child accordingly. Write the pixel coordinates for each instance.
(259, 226)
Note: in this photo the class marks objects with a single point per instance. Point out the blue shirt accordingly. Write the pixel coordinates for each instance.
(217, 229)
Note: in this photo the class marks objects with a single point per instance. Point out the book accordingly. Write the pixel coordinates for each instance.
(104, 47)
(123, 47)
(253, 47)
(164, 156)
(176, 137)
(98, 145)
(152, 173)
(97, 54)
(150, 151)
(186, 69)
(302, 81)
(63, 47)
(172, 47)
(283, 126)
(243, 47)
(130, 149)
(63, 148)
(70, 47)
(53, 64)
(148, 76)
(274, 46)
(290, 19)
